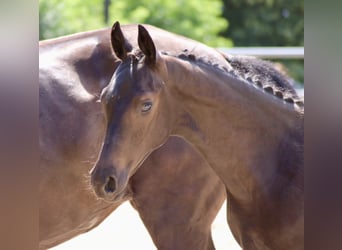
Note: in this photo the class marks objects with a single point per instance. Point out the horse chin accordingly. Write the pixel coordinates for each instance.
(119, 197)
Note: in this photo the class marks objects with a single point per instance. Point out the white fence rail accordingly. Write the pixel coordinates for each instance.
(267, 52)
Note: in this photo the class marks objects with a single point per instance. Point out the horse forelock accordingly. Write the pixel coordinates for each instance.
(133, 58)
(136, 55)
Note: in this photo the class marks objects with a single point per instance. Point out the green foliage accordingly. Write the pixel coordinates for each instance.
(251, 22)
(199, 20)
(267, 23)
(62, 17)
(295, 69)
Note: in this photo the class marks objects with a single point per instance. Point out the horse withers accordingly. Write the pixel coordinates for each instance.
(176, 194)
(246, 126)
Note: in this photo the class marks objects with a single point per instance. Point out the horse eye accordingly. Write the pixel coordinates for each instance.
(146, 106)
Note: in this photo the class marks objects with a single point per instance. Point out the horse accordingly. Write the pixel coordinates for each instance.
(249, 130)
(176, 205)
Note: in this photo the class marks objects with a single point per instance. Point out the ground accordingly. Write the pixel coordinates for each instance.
(115, 233)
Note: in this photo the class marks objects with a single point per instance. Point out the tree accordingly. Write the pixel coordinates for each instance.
(199, 20)
(58, 17)
(251, 22)
(267, 23)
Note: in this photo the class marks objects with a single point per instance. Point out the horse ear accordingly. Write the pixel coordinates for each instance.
(146, 45)
(118, 41)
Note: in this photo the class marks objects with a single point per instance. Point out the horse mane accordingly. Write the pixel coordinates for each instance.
(260, 73)
(248, 67)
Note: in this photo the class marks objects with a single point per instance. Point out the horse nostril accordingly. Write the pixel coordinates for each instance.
(110, 185)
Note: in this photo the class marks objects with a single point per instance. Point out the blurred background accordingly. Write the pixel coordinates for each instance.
(217, 23)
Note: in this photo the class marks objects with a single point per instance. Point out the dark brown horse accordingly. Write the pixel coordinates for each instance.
(249, 130)
(176, 194)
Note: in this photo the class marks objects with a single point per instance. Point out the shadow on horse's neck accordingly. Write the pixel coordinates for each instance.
(237, 127)
(89, 54)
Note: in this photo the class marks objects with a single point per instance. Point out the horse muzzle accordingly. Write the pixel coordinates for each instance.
(107, 185)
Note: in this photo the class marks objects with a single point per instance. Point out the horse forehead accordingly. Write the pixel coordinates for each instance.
(131, 79)
(122, 86)
(142, 78)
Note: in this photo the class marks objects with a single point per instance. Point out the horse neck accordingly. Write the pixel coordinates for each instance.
(239, 129)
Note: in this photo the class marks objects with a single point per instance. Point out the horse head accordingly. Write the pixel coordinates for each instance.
(133, 102)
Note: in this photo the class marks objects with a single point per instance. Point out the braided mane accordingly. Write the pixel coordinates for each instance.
(260, 73)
